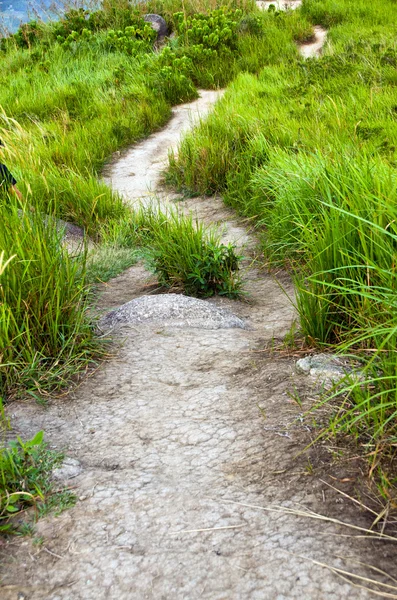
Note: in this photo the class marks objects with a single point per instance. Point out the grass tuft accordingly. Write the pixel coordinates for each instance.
(26, 482)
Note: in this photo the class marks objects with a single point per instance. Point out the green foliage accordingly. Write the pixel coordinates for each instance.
(172, 76)
(214, 271)
(132, 40)
(27, 34)
(44, 330)
(25, 481)
(186, 255)
(216, 30)
(128, 21)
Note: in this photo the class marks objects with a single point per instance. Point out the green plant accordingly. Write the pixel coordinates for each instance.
(25, 482)
(44, 330)
(28, 34)
(214, 270)
(216, 30)
(132, 40)
(184, 254)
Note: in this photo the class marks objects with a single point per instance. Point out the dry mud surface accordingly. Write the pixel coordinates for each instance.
(176, 444)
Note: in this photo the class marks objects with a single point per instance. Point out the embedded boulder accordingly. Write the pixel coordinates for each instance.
(158, 24)
(171, 310)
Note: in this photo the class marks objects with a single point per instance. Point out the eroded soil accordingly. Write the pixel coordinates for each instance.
(182, 437)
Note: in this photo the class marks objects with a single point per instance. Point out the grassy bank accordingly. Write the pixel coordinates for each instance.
(74, 92)
(309, 149)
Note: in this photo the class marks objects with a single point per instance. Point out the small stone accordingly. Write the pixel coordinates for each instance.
(303, 365)
(327, 368)
(70, 468)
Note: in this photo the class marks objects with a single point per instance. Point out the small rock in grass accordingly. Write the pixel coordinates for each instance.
(327, 368)
(158, 24)
(69, 469)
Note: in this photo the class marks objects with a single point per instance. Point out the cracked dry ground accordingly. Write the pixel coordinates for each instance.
(182, 436)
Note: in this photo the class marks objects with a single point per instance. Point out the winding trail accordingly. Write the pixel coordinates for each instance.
(177, 443)
(137, 174)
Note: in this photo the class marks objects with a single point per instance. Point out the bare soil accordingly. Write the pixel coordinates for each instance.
(183, 438)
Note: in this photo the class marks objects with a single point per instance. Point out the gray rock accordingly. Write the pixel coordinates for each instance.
(67, 229)
(327, 368)
(69, 469)
(70, 229)
(171, 310)
(158, 24)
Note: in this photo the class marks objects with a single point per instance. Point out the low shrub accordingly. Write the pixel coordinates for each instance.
(186, 255)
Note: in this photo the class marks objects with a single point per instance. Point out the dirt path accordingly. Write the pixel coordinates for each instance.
(136, 175)
(177, 441)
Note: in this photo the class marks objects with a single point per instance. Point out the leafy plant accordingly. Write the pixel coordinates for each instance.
(28, 34)
(214, 271)
(131, 40)
(25, 482)
(216, 30)
(184, 254)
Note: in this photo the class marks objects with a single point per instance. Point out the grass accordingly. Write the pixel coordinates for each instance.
(26, 483)
(183, 253)
(44, 331)
(309, 150)
(186, 255)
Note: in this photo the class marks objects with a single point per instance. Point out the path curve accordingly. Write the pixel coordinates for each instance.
(314, 48)
(136, 175)
(179, 440)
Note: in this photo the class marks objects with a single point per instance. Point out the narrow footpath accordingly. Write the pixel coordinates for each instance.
(175, 445)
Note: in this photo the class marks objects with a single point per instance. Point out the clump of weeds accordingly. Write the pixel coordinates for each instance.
(26, 483)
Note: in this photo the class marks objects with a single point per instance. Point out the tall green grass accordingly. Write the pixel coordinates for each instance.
(185, 254)
(44, 332)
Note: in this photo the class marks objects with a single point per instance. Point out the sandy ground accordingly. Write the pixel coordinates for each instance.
(180, 440)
